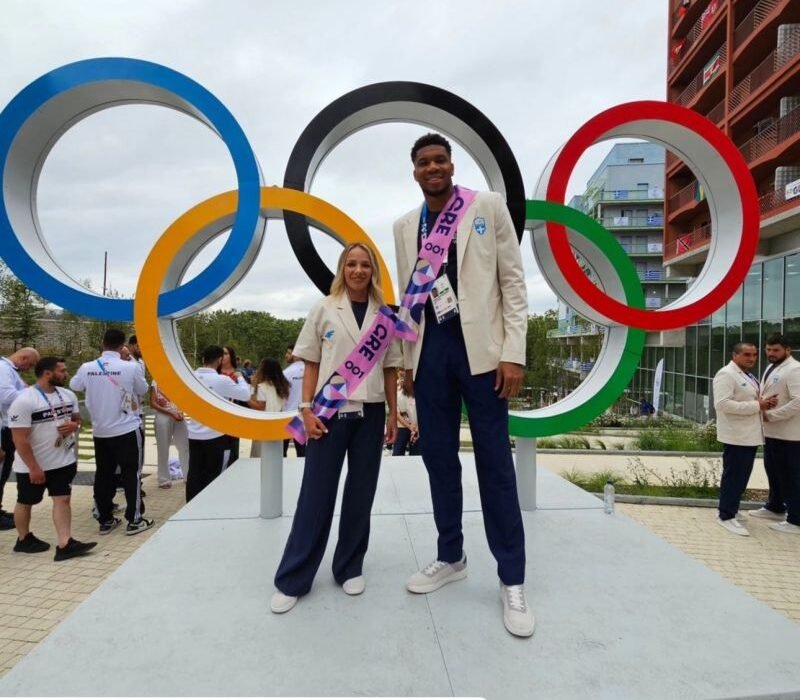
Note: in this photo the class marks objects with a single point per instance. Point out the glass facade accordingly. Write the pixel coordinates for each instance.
(767, 302)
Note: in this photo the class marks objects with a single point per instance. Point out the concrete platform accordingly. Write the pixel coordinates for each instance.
(620, 613)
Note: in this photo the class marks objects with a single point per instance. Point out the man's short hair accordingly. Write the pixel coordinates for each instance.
(778, 339)
(430, 140)
(46, 364)
(113, 339)
(741, 345)
(132, 340)
(212, 353)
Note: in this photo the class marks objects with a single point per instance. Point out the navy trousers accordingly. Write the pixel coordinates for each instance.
(782, 464)
(362, 441)
(442, 381)
(402, 443)
(737, 465)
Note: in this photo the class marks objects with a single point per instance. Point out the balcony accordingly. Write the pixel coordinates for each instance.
(687, 242)
(653, 221)
(779, 132)
(682, 48)
(783, 55)
(653, 194)
(717, 114)
(674, 164)
(772, 201)
(567, 330)
(753, 21)
(689, 194)
(704, 78)
(643, 248)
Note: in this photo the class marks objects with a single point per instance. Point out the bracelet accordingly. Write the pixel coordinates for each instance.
(304, 404)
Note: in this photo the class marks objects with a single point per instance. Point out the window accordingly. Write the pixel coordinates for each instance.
(751, 305)
(773, 290)
(792, 288)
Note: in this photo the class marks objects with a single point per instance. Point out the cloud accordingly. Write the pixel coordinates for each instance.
(115, 181)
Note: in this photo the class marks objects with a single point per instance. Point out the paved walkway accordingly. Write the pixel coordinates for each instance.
(36, 593)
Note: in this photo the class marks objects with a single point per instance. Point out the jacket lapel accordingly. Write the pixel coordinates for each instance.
(463, 237)
(411, 229)
(346, 317)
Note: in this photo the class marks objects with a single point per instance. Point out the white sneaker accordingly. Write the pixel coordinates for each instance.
(766, 514)
(517, 616)
(281, 603)
(785, 527)
(436, 575)
(734, 526)
(354, 586)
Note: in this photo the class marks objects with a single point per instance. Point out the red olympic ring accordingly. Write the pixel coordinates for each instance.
(593, 131)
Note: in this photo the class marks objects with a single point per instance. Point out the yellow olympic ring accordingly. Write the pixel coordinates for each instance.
(215, 215)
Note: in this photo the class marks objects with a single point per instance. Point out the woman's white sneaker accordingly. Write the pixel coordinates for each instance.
(786, 527)
(734, 526)
(282, 603)
(517, 616)
(436, 575)
(766, 514)
(354, 586)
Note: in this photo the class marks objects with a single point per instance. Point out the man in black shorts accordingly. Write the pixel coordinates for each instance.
(44, 421)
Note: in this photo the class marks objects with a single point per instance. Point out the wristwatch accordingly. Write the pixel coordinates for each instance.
(304, 404)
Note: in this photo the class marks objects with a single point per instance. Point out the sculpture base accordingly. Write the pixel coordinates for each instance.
(620, 613)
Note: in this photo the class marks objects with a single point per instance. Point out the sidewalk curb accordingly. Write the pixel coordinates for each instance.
(674, 501)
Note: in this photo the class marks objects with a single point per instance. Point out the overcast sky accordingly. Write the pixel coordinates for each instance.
(116, 180)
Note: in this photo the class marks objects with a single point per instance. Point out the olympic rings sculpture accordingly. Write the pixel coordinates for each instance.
(43, 111)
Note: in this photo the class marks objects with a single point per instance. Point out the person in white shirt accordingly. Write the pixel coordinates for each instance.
(170, 427)
(782, 437)
(738, 404)
(210, 450)
(11, 385)
(112, 389)
(270, 391)
(136, 356)
(407, 428)
(45, 422)
(294, 375)
(331, 332)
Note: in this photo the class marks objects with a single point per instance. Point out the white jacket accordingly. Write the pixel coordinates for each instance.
(492, 299)
(330, 334)
(736, 402)
(783, 421)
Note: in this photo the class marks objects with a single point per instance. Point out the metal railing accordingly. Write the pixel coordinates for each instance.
(676, 8)
(684, 196)
(717, 113)
(692, 36)
(655, 221)
(643, 248)
(641, 195)
(699, 83)
(772, 64)
(753, 21)
(779, 131)
(687, 242)
(774, 200)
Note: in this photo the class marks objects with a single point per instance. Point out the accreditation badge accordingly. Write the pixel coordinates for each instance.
(445, 304)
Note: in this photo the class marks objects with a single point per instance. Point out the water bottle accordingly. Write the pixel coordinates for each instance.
(608, 497)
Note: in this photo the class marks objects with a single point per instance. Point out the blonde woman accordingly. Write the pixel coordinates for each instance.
(358, 430)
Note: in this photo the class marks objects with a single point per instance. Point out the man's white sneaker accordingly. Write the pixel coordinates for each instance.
(436, 575)
(785, 527)
(281, 603)
(766, 514)
(517, 616)
(734, 526)
(354, 586)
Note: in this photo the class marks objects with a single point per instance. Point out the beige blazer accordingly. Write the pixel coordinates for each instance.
(783, 421)
(736, 403)
(492, 298)
(329, 335)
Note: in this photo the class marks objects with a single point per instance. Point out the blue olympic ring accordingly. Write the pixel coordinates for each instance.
(74, 89)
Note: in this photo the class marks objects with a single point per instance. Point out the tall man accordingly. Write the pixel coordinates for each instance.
(112, 389)
(11, 386)
(45, 421)
(210, 450)
(782, 437)
(738, 404)
(471, 350)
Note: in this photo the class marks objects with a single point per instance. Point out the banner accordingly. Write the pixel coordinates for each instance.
(657, 385)
(793, 190)
(708, 14)
(712, 68)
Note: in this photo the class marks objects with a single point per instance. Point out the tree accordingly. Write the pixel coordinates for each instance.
(540, 372)
(21, 310)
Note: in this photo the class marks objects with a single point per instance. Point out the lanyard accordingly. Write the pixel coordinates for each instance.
(62, 403)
